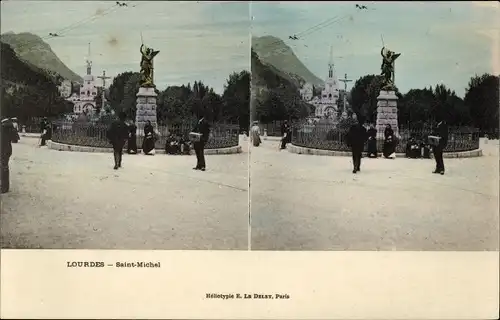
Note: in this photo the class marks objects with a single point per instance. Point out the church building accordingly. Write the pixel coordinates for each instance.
(327, 103)
(85, 101)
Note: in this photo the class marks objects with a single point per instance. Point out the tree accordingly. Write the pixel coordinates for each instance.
(482, 99)
(172, 106)
(117, 90)
(128, 103)
(360, 93)
(98, 100)
(236, 98)
(415, 108)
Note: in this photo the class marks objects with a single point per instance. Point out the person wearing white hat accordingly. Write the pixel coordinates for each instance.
(16, 130)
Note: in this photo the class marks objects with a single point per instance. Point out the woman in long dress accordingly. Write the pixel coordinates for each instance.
(255, 131)
(372, 142)
(132, 139)
(148, 144)
(389, 143)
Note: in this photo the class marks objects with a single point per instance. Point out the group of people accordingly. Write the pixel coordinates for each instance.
(286, 134)
(358, 136)
(390, 142)
(418, 149)
(121, 132)
(148, 144)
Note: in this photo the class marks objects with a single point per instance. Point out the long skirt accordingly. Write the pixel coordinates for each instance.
(132, 145)
(148, 145)
(372, 148)
(389, 148)
(256, 141)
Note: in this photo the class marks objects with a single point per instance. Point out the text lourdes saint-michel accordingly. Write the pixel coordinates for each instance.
(246, 296)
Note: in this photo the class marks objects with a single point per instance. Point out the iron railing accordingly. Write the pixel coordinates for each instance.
(94, 135)
(329, 137)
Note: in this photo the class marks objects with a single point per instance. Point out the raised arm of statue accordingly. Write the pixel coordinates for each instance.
(141, 50)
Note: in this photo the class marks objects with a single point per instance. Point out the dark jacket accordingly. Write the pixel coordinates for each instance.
(7, 137)
(204, 128)
(372, 133)
(388, 133)
(285, 128)
(118, 133)
(441, 131)
(357, 136)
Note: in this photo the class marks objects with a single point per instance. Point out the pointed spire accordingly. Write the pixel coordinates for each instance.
(330, 63)
(89, 62)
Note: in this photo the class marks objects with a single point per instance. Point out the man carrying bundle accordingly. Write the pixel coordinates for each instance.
(439, 140)
(199, 137)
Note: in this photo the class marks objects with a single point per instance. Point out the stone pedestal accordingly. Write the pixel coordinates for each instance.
(387, 112)
(146, 109)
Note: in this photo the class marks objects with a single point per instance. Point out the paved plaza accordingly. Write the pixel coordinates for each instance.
(305, 202)
(298, 202)
(76, 200)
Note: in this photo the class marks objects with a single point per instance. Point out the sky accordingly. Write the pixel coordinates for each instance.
(197, 41)
(439, 42)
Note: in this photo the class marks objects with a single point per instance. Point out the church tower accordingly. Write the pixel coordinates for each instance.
(330, 64)
(330, 93)
(88, 90)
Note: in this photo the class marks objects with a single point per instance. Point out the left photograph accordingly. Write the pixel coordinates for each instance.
(124, 125)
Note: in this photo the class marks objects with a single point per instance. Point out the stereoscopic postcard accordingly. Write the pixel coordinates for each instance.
(249, 160)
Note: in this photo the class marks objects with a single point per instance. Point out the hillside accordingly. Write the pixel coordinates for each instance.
(15, 71)
(273, 51)
(274, 96)
(27, 91)
(31, 48)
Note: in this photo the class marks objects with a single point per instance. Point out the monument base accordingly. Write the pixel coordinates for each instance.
(146, 109)
(387, 112)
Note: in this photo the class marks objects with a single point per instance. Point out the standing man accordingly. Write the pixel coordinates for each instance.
(6, 151)
(117, 134)
(286, 133)
(44, 128)
(356, 138)
(441, 131)
(372, 142)
(203, 128)
(15, 138)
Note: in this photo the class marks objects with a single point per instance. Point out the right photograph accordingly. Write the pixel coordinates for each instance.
(375, 126)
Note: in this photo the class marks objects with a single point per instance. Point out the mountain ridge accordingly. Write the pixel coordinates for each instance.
(275, 52)
(32, 49)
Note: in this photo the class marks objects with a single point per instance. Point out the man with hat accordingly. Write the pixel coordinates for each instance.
(6, 151)
(441, 131)
(202, 127)
(16, 130)
(117, 134)
(44, 128)
(356, 138)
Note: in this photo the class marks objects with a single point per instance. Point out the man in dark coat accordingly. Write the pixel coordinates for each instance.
(286, 133)
(440, 131)
(199, 146)
(117, 134)
(132, 139)
(44, 128)
(372, 142)
(6, 151)
(356, 139)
